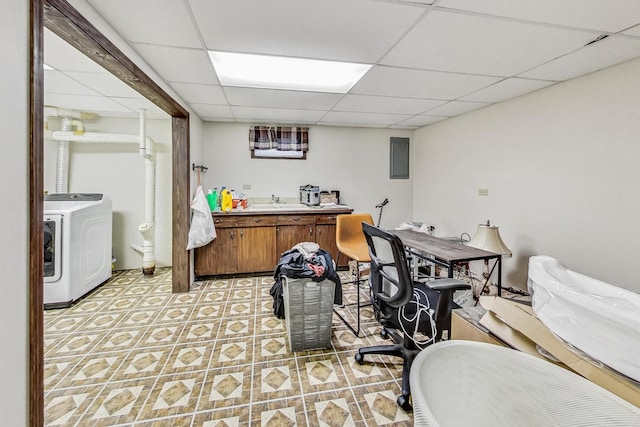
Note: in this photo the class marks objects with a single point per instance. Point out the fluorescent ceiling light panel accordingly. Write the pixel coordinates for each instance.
(275, 72)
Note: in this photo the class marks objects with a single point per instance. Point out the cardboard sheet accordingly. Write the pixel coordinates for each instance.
(503, 315)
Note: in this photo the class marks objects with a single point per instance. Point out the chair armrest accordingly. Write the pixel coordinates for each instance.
(447, 284)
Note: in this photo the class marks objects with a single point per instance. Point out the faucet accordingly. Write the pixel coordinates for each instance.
(275, 199)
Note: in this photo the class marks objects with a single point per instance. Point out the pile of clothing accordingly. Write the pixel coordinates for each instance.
(304, 261)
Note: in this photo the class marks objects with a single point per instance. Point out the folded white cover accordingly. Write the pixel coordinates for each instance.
(597, 318)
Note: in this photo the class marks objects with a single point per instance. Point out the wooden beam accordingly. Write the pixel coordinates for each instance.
(181, 201)
(36, 241)
(62, 19)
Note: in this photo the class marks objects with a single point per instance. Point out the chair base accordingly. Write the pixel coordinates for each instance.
(398, 349)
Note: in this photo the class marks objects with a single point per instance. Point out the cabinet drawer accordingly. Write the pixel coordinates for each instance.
(256, 221)
(225, 221)
(296, 220)
(326, 219)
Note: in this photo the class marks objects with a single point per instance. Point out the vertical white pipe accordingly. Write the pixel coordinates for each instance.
(147, 229)
(143, 132)
(62, 159)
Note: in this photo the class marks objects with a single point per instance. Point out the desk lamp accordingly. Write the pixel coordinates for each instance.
(488, 238)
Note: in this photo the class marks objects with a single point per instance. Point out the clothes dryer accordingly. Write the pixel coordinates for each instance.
(77, 245)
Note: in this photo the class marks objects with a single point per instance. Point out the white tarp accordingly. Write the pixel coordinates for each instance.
(600, 319)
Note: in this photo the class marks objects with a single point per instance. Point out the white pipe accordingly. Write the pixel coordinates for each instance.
(147, 229)
(62, 167)
(143, 133)
(147, 151)
(62, 159)
(59, 135)
(61, 112)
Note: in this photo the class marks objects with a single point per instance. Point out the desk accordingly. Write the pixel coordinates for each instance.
(445, 252)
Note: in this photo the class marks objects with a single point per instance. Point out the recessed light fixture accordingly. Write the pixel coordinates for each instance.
(277, 72)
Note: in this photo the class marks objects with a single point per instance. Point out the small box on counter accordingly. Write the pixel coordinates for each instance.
(332, 196)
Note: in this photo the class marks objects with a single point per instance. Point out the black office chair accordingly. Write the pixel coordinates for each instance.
(422, 311)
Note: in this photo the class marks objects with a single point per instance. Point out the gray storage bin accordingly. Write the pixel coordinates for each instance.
(308, 308)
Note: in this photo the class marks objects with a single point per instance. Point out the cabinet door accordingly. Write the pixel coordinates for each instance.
(290, 235)
(256, 249)
(219, 256)
(326, 239)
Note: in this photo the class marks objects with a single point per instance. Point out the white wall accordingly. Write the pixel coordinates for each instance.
(118, 171)
(14, 227)
(561, 166)
(354, 161)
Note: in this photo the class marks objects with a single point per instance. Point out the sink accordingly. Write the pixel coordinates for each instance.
(278, 206)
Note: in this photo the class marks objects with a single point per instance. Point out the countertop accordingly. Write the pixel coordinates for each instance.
(286, 209)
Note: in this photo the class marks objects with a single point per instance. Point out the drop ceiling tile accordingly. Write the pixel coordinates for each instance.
(63, 57)
(356, 30)
(364, 118)
(634, 31)
(593, 14)
(610, 51)
(274, 115)
(385, 104)
(105, 84)
(136, 104)
(92, 104)
(422, 120)
(58, 82)
(455, 108)
(472, 44)
(506, 89)
(151, 21)
(404, 127)
(179, 65)
(352, 125)
(288, 99)
(208, 111)
(200, 94)
(407, 83)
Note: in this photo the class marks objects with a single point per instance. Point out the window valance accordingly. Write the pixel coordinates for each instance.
(278, 141)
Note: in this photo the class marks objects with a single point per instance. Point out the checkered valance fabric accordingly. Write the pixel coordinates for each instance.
(283, 138)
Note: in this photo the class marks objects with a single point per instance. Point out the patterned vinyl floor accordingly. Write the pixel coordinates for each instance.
(131, 353)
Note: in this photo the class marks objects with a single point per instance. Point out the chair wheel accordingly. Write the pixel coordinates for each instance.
(403, 402)
(359, 358)
(384, 334)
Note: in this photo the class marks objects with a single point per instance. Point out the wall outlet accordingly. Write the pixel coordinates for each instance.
(483, 191)
(246, 186)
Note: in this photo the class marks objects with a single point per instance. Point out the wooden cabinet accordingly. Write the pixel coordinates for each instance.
(242, 245)
(249, 243)
(294, 229)
(326, 238)
(255, 245)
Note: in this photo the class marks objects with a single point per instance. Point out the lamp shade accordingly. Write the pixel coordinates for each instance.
(488, 238)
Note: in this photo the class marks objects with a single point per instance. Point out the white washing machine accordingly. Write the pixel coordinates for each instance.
(77, 246)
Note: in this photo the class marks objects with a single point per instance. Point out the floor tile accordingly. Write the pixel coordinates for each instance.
(132, 353)
(120, 403)
(172, 395)
(226, 387)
